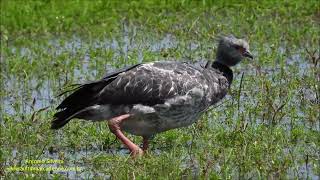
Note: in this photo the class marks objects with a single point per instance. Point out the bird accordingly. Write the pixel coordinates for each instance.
(149, 98)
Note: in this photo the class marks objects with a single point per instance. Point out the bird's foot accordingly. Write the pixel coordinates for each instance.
(145, 145)
(136, 152)
(114, 126)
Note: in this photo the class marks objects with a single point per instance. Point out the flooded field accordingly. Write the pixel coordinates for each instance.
(268, 127)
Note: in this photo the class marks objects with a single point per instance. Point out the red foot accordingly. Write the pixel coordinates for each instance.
(114, 126)
(145, 145)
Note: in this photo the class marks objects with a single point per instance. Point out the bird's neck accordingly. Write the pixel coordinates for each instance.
(225, 70)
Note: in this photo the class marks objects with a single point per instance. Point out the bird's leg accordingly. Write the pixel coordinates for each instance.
(145, 144)
(114, 126)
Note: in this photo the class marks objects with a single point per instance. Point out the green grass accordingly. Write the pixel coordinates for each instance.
(269, 128)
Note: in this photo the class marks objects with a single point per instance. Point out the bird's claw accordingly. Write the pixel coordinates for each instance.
(138, 152)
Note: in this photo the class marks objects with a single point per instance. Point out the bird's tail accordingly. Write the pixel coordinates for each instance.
(81, 97)
(61, 118)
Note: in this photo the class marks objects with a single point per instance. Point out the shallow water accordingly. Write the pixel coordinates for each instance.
(41, 88)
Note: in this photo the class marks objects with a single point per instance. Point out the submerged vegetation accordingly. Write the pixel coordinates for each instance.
(268, 126)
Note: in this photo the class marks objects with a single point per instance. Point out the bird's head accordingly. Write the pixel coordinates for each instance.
(232, 50)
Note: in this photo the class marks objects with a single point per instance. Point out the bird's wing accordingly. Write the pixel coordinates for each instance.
(84, 94)
(151, 84)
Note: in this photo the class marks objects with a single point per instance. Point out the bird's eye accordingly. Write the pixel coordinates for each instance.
(237, 47)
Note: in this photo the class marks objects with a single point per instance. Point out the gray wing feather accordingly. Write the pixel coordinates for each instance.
(155, 83)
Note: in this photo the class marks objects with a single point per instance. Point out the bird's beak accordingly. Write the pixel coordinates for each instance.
(248, 54)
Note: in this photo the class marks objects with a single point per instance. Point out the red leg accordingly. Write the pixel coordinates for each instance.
(114, 126)
(145, 145)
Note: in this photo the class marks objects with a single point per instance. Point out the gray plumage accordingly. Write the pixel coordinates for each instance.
(159, 95)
